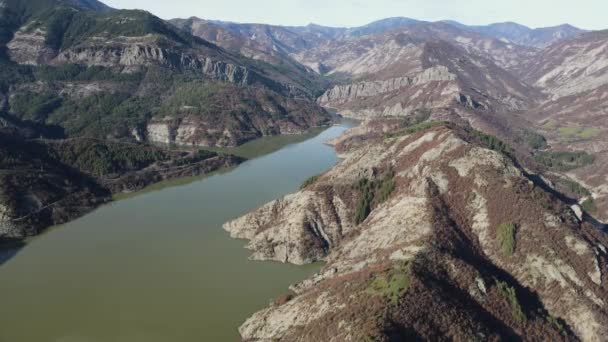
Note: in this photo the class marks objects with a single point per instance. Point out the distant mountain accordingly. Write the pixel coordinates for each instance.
(571, 66)
(270, 44)
(523, 35)
(93, 5)
(383, 25)
(428, 65)
(574, 75)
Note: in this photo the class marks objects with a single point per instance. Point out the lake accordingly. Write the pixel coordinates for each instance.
(157, 266)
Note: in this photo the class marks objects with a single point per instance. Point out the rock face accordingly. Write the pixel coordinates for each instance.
(344, 93)
(419, 245)
(432, 75)
(143, 51)
(30, 47)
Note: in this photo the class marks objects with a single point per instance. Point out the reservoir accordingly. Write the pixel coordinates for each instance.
(157, 266)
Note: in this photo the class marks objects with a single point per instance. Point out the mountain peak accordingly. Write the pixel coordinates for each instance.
(92, 5)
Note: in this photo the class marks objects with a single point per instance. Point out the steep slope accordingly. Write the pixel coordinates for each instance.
(49, 182)
(572, 66)
(31, 180)
(418, 245)
(122, 71)
(574, 74)
(260, 42)
(408, 70)
(333, 55)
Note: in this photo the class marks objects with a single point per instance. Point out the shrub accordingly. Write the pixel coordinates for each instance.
(99, 114)
(392, 284)
(492, 142)
(310, 181)
(364, 205)
(34, 107)
(387, 186)
(99, 158)
(573, 187)
(506, 238)
(13, 74)
(283, 299)
(556, 323)
(373, 192)
(509, 294)
(414, 128)
(589, 205)
(532, 139)
(564, 161)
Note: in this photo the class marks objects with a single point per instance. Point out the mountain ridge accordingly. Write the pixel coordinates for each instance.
(409, 216)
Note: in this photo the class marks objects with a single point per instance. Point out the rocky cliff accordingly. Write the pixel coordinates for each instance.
(431, 232)
(343, 93)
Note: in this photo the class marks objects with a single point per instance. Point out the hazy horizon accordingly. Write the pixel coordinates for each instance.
(586, 14)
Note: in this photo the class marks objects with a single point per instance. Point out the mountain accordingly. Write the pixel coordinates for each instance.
(333, 56)
(572, 66)
(498, 78)
(425, 66)
(92, 5)
(574, 75)
(381, 26)
(86, 90)
(523, 35)
(430, 229)
(269, 44)
(418, 246)
(132, 67)
(49, 182)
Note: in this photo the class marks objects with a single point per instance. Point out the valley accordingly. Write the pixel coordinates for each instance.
(467, 199)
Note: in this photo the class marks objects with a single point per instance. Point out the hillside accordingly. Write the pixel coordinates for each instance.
(49, 182)
(270, 44)
(389, 66)
(574, 75)
(540, 89)
(121, 71)
(523, 35)
(419, 246)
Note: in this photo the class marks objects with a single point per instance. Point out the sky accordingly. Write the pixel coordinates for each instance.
(587, 14)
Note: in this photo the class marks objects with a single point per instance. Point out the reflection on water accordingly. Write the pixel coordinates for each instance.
(266, 145)
(158, 266)
(9, 250)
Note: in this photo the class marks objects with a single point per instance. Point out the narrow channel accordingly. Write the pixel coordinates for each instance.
(158, 266)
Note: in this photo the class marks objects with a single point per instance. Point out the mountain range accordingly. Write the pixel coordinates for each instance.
(479, 167)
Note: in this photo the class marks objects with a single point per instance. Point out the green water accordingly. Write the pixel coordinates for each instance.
(157, 266)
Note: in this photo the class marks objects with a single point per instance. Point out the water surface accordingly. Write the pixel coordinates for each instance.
(157, 266)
